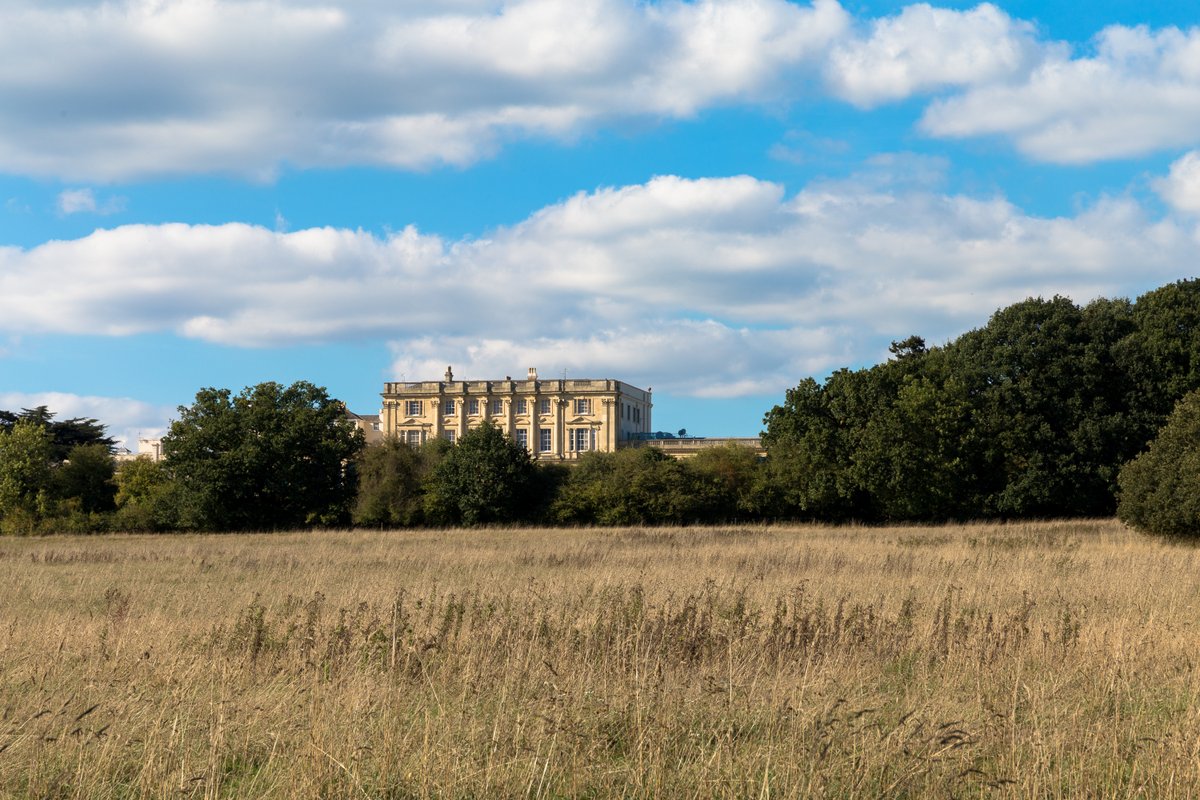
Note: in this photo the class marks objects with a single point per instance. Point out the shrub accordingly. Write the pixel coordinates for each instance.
(1160, 489)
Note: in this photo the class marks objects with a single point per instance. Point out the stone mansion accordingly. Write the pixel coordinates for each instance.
(556, 420)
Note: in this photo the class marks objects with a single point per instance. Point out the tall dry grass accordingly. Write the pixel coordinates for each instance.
(1035, 660)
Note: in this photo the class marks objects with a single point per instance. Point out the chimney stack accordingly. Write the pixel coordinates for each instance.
(449, 375)
(533, 373)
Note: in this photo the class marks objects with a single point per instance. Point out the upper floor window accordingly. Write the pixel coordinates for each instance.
(544, 406)
(414, 408)
(472, 407)
(522, 406)
(448, 407)
(583, 406)
(497, 407)
(374, 426)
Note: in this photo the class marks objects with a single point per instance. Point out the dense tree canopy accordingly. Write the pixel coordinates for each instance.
(270, 457)
(1031, 415)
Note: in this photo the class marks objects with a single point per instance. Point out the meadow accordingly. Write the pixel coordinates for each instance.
(1051, 659)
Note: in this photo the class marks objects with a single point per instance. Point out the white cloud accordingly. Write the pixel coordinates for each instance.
(924, 48)
(132, 88)
(74, 201)
(1138, 93)
(126, 419)
(83, 201)
(731, 274)
(1181, 187)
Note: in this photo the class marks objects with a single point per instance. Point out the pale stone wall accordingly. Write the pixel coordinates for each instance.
(556, 419)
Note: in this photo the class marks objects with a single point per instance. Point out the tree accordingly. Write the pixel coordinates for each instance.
(87, 478)
(25, 474)
(635, 486)
(147, 499)
(1160, 489)
(485, 478)
(65, 434)
(272, 457)
(392, 477)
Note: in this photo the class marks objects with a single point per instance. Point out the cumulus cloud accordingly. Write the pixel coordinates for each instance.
(925, 48)
(127, 419)
(1181, 187)
(1138, 93)
(731, 278)
(130, 88)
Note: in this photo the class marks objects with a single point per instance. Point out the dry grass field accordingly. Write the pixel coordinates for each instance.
(1032, 660)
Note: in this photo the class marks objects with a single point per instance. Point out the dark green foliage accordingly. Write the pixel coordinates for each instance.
(271, 457)
(87, 477)
(1029, 416)
(485, 478)
(64, 435)
(1160, 489)
(391, 482)
(639, 486)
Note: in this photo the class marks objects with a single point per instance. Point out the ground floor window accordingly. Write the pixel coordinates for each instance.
(448, 436)
(523, 437)
(544, 440)
(412, 438)
(583, 439)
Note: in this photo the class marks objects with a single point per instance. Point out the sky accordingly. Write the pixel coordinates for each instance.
(712, 199)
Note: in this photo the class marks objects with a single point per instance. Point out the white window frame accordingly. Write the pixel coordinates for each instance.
(473, 407)
(545, 440)
(414, 408)
(497, 407)
(522, 437)
(544, 405)
(449, 407)
(412, 438)
(583, 405)
(582, 440)
(522, 406)
(450, 435)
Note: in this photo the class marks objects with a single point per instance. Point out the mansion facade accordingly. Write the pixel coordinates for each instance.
(556, 420)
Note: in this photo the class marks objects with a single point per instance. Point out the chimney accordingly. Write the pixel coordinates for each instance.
(449, 375)
(533, 373)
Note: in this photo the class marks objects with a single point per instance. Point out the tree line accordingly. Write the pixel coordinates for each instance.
(1051, 409)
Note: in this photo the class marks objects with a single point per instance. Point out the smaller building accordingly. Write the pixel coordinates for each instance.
(369, 424)
(556, 420)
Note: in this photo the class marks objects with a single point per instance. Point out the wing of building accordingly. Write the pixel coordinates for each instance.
(553, 419)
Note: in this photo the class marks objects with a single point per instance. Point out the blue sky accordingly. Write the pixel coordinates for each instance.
(712, 198)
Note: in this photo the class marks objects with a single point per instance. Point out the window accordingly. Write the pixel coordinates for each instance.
(583, 406)
(583, 439)
(448, 407)
(472, 407)
(544, 440)
(544, 406)
(414, 408)
(412, 438)
(497, 407)
(374, 426)
(522, 406)
(523, 437)
(448, 436)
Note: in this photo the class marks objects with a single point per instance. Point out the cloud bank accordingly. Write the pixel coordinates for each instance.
(729, 277)
(130, 89)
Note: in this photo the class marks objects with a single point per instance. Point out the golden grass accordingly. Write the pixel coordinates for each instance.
(1031, 660)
